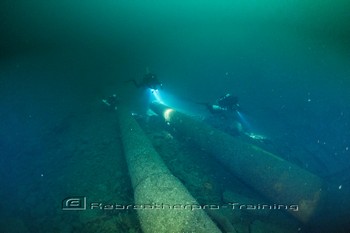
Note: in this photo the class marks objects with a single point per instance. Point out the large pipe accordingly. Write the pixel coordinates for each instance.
(275, 178)
(163, 204)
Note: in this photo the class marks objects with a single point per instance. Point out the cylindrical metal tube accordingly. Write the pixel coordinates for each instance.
(283, 183)
(163, 204)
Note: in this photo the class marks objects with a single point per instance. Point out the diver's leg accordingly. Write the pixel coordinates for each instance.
(134, 82)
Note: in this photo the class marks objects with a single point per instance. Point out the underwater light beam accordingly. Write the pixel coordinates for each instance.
(156, 95)
(243, 120)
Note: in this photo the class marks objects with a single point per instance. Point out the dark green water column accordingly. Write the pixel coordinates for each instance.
(163, 204)
(275, 178)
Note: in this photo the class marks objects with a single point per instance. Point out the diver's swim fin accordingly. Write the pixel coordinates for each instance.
(133, 81)
(203, 103)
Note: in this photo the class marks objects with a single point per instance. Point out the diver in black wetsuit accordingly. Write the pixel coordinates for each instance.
(149, 81)
(225, 104)
(224, 114)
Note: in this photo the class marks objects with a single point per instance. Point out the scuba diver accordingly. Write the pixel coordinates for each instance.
(225, 104)
(149, 81)
(224, 114)
(112, 102)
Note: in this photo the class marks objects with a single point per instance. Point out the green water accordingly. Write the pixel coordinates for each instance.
(287, 61)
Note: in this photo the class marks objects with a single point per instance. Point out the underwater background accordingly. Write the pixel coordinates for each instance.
(287, 61)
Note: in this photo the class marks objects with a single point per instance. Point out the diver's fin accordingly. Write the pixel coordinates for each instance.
(203, 103)
(207, 105)
(133, 81)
